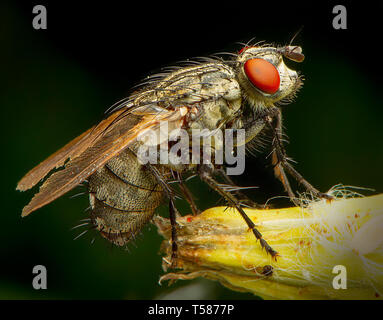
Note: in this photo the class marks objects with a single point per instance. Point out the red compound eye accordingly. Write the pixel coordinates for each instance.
(262, 75)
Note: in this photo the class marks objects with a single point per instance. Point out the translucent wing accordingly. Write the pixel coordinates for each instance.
(90, 151)
(69, 151)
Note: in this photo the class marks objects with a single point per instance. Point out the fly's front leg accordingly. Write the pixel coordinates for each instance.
(280, 160)
(278, 156)
(206, 175)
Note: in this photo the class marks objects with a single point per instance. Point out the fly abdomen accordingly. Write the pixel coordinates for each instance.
(123, 196)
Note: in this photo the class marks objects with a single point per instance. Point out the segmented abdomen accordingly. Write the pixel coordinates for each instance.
(123, 197)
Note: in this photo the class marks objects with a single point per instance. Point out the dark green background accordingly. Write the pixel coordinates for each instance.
(56, 83)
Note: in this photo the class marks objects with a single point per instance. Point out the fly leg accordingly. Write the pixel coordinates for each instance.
(242, 198)
(173, 212)
(188, 195)
(206, 175)
(280, 160)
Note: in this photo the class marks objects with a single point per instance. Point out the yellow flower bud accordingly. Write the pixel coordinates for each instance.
(327, 250)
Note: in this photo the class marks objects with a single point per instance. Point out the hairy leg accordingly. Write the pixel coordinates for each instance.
(188, 195)
(173, 212)
(242, 198)
(206, 175)
(280, 160)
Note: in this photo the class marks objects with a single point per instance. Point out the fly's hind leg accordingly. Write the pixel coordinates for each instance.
(206, 175)
(188, 195)
(173, 212)
(173, 222)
